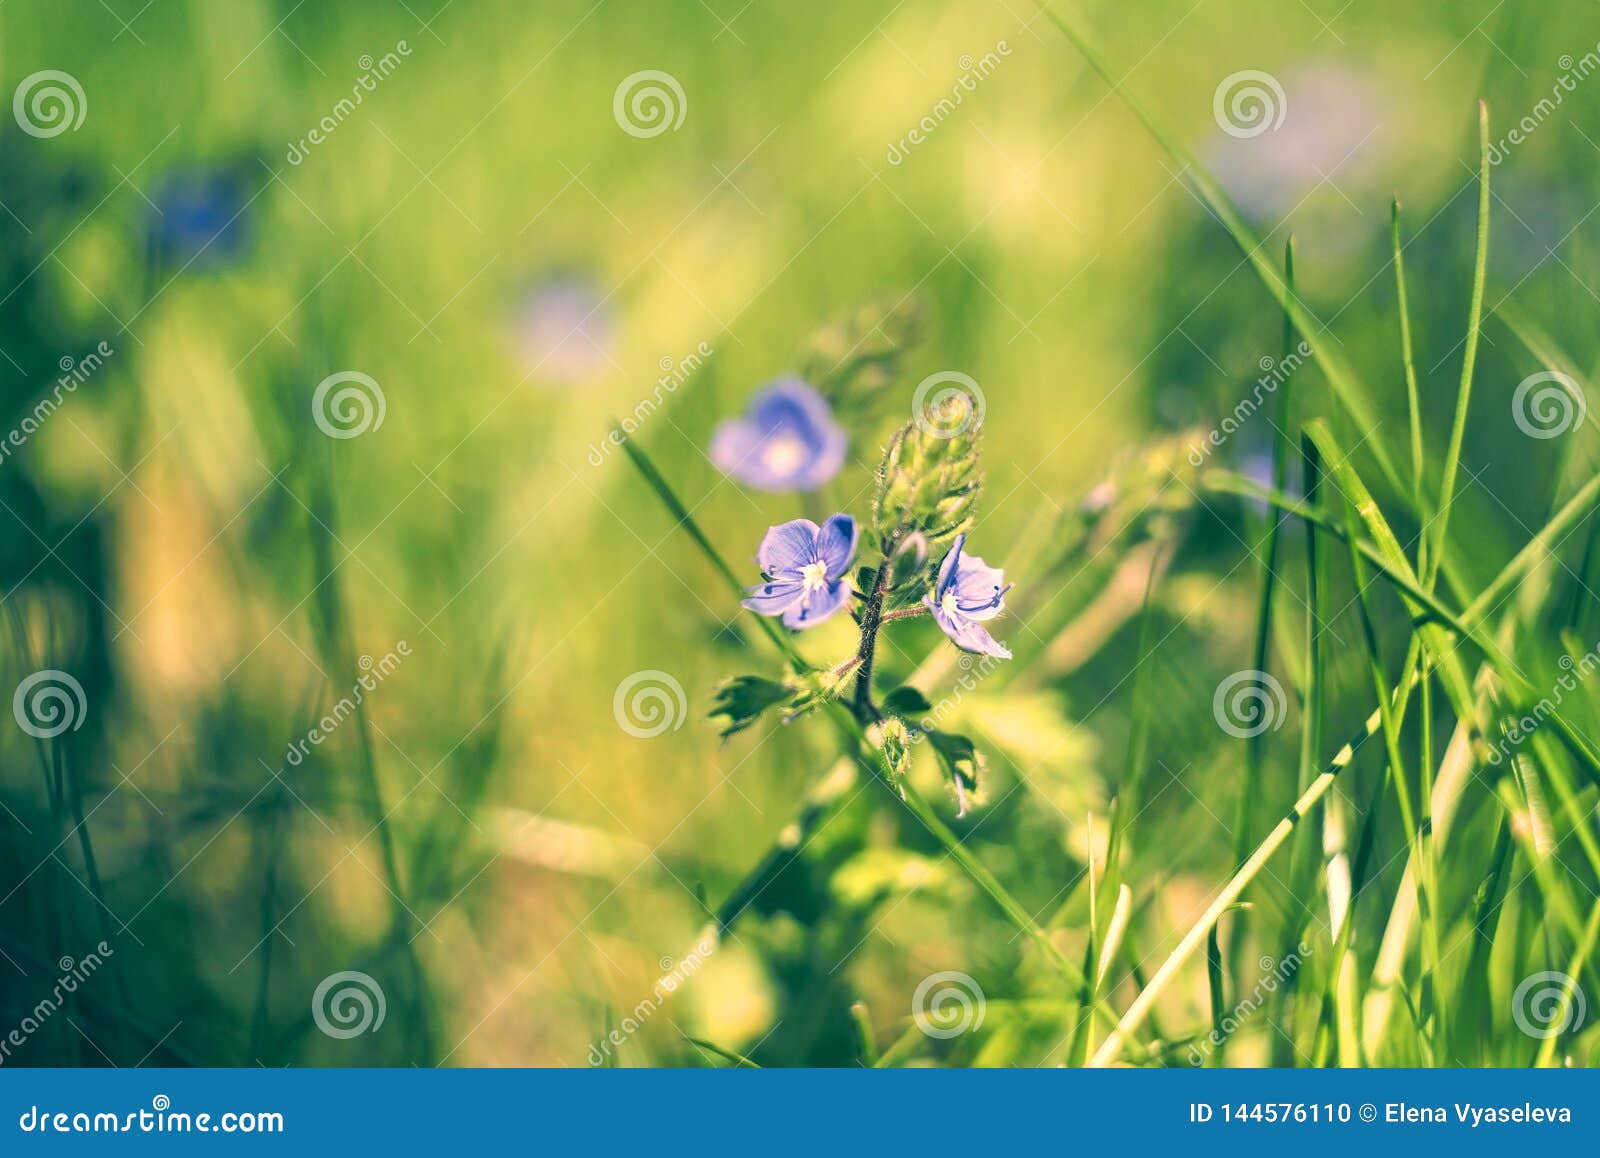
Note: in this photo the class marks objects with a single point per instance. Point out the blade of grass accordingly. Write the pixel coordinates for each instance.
(1469, 358)
(1282, 448)
(1413, 398)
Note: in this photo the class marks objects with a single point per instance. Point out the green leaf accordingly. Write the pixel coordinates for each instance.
(961, 761)
(906, 701)
(743, 699)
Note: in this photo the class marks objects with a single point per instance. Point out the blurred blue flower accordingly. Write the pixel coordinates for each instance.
(199, 219)
(804, 566)
(968, 593)
(1334, 143)
(564, 330)
(786, 441)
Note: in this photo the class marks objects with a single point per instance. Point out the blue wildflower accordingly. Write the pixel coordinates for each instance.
(565, 331)
(199, 219)
(968, 593)
(804, 567)
(786, 441)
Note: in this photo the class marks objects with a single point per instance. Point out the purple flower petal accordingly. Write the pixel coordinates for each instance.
(836, 544)
(817, 605)
(772, 598)
(788, 440)
(979, 588)
(947, 569)
(969, 635)
(732, 443)
(787, 548)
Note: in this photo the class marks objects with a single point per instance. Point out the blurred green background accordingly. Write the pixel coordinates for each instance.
(483, 239)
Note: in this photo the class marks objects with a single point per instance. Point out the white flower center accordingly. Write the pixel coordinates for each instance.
(814, 576)
(947, 602)
(783, 453)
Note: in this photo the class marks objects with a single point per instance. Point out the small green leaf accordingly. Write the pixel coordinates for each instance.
(906, 701)
(744, 698)
(962, 762)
